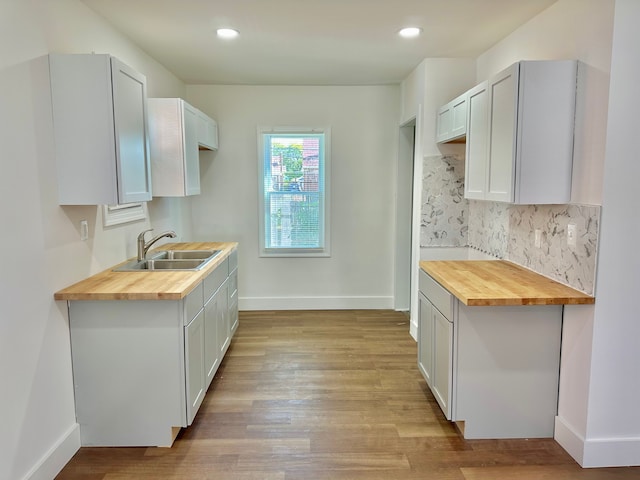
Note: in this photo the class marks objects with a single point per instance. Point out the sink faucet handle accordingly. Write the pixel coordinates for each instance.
(142, 234)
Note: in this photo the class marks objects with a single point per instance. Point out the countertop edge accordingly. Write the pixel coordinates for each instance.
(570, 295)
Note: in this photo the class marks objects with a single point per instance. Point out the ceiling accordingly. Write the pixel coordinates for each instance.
(310, 42)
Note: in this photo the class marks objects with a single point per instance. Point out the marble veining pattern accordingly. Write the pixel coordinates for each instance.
(444, 215)
(489, 227)
(573, 266)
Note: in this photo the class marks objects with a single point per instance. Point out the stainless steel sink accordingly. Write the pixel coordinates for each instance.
(171, 260)
(184, 254)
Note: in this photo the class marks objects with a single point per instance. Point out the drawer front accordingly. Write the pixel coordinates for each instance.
(193, 303)
(215, 279)
(439, 296)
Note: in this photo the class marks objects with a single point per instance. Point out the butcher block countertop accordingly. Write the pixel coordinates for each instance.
(146, 285)
(498, 282)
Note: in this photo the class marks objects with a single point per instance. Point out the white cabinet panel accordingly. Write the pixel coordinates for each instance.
(100, 129)
(425, 338)
(442, 361)
(207, 132)
(195, 374)
(173, 133)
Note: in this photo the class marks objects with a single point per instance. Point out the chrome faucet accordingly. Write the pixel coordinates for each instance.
(143, 247)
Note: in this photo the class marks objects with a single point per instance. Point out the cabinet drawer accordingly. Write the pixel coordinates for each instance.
(440, 297)
(215, 279)
(193, 304)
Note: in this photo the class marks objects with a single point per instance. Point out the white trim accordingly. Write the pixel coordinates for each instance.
(569, 439)
(316, 303)
(597, 452)
(117, 214)
(57, 457)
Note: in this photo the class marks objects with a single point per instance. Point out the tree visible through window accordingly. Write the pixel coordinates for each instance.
(294, 199)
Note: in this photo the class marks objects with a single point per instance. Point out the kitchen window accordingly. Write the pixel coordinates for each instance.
(294, 191)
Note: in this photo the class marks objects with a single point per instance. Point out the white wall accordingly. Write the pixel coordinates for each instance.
(364, 139)
(613, 427)
(40, 242)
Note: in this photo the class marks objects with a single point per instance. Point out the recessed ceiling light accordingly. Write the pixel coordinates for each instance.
(227, 33)
(410, 32)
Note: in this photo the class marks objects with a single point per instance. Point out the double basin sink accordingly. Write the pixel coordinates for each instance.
(171, 260)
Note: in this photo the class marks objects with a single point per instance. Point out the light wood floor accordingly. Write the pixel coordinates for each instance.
(327, 395)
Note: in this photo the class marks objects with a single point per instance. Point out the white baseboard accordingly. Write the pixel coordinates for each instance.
(597, 452)
(57, 457)
(413, 330)
(569, 439)
(315, 303)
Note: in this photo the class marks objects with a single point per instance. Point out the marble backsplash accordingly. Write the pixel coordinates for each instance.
(445, 211)
(507, 231)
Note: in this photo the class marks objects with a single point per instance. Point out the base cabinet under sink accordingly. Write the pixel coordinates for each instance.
(141, 368)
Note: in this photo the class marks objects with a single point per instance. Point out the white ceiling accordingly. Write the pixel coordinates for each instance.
(310, 42)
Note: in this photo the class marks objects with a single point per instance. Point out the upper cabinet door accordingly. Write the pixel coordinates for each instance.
(132, 144)
(207, 132)
(476, 149)
(99, 124)
(451, 119)
(503, 104)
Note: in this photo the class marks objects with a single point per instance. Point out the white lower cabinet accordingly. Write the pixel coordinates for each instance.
(435, 344)
(492, 369)
(141, 368)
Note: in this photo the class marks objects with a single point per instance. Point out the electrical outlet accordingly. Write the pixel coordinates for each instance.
(538, 237)
(571, 235)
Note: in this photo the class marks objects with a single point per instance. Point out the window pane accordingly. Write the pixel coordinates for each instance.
(294, 191)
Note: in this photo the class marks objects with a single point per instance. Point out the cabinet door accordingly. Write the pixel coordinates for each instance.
(223, 323)
(191, 153)
(459, 116)
(444, 119)
(503, 104)
(194, 356)
(211, 348)
(476, 148)
(443, 361)
(132, 143)
(233, 301)
(207, 131)
(425, 339)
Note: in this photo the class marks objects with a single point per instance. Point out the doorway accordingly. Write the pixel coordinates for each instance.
(404, 216)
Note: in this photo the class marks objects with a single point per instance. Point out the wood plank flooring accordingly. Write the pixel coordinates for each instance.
(327, 395)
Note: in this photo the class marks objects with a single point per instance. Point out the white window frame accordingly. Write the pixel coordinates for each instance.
(325, 250)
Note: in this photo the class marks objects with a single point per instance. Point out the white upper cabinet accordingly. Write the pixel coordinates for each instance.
(177, 132)
(520, 134)
(452, 120)
(175, 161)
(207, 132)
(100, 130)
